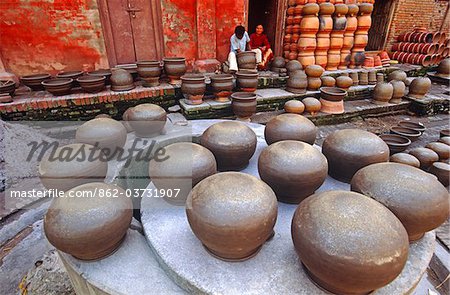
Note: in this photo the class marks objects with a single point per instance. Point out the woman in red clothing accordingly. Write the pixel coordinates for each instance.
(260, 45)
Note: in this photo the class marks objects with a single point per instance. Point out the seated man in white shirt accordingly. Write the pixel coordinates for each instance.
(239, 42)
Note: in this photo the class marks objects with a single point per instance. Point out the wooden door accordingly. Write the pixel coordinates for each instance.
(381, 22)
(264, 12)
(132, 30)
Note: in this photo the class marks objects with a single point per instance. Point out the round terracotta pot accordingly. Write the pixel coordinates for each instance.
(34, 81)
(407, 159)
(399, 91)
(294, 106)
(314, 71)
(71, 75)
(328, 81)
(147, 120)
(332, 93)
(397, 75)
(367, 257)
(58, 86)
(312, 105)
(310, 22)
(396, 143)
(407, 132)
(293, 66)
(247, 80)
(131, 69)
(419, 87)
(349, 150)
(441, 149)
(444, 68)
(314, 83)
(442, 172)
(247, 59)
(279, 62)
(7, 86)
(149, 71)
(193, 87)
(102, 73)
(92, 84)
(185, 166)
(382, 93)
(293, 169)
(243, 227)
(425, 156)
(95, 228)
(297, 82)
(344, 82)
(109, 134)
(175, 67)
(222, 85)
(121, 80)
(290, 127)
(412, 125)
(292, 55)
(62, 170)
(232, 143)
(243, 104)
(415, 197)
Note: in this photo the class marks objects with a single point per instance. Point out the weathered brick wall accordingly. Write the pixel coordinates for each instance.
(50, 35)
(417, 13)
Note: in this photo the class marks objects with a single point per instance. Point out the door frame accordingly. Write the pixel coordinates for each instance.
(108, 36)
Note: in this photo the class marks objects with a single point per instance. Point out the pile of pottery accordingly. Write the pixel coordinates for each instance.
(402, 135)
(332, 35)
(279, 66)
(421, 47)
(309, 104)
(297, 81)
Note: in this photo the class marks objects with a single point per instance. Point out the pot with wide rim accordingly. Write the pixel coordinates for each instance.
(175, 67)
(396, 143)
(247, 80)
(149, 71)
(406, 132)
(246, 60)
(58, 86)
(193, 87)
(243, 105)
(332, 93)
(222, 85)
(7, 86)
(71, 75)
(102, 73)
(34, 81)
(412, 125)
(92, 84)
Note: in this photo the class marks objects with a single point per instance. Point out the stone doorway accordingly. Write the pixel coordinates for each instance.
(264, 12)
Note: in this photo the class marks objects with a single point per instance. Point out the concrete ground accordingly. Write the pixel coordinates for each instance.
(29, 264)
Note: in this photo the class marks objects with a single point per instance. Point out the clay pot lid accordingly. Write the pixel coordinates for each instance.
(404, 158)
(193, 78)
(340, 9)
(35, 77)
(90, 79)
(365, 8)
(408, 132)
(412, 125)
(353, 9)
(314, 71)
(230, 133)
(57, 82)
(326, 8)
(221, 77)
(148, 63)
(70, 74)
(244, 95)
(395, 140)
(311, 9)
(146, 112)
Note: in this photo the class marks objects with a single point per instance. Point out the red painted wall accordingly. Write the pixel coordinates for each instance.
(50, 36)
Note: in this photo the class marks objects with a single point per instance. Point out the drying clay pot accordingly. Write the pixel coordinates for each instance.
(328, 81)
(445, 139)
(412, 125)
(344, 82)
(425, 156)
(175, 67)
(243, 105)
(110, 135)
(382, 93)
(149, 71)
(297, 82)
(294, 106)
(406, 132)
(396, 143)
(92, 84)
(102, 73)
(397, 75)
(290, 127)
(222, 85)
(312, 105)
(58, 86)
(441, 171)
(399, 91)
(147, 120)
(407, 159)
(247, 80)
(34, 81)
(442, 149)
(121, 80)
(419, 87)
(193, 87)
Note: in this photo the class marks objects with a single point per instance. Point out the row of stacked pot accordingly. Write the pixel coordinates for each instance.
(421, 47)
(383, 204)
(333, 36)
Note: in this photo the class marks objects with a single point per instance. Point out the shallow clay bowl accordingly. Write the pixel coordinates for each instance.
(332, 93)
(412, 125)
(92, 84)
(406, 132)
(58, 86)
(34, 81)
(7, 86)
(396, 143)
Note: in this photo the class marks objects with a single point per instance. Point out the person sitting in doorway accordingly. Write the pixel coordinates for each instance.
(239, 43)
(261, 46)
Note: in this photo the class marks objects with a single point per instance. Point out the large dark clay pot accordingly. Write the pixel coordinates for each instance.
(247, 80)
(233, 214)
(297, 82)
(425, 156)
(441, 171)
(222, 85)
(232, 143)
(186, 165)
(71, 75)
(441, 149)
(102, 73)
(109, 134)
(415, 197)
(149, 71)
(89, 228)
(382, 93)
(349, 150)
(293, 169)
(193, 87)
(121, 80)
(407, 159)
(290, 127)
(243, 105)
(399, 91)
(246, 60)
(147, 120)
(34, 81)
(175, 67)
(92, 84)
(58, 86)
(369, 244)
(419, 87)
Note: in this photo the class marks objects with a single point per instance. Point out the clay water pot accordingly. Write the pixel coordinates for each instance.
(314, 83)
(310, 22)
(445, 139)
(294, 106)
(247, 59)
(419, 87)
(290, 127)
(344, 82)
(407, 159)
(396, 143)
(425, 156)
(110, 135)
(121, 80)
(328, 81)
(193, 87)
(406, 132)
(63, 170)
(102, 73)
(92, 84)
(293, 169)
(367, 257)
(349, 150)
(293, 66)
(312, 105)
(412, 125)
(149, 71)
(71, 75)
(314, 71)
(232, 143)
(297, 82)
(147, 120)
(397, 75)
(131, 69)
(247, 80)
(414, 196)
(222, 85)
(34, 81)
(399, 91)
(278, 62)
(355, 78)
(441, 171)
(332, 93)
(444, 68)
(363, 78)
(442, 149)
(248, 211)
(185, 166)
(89, 228)
(8, 86)
(58, 86)
(175, 67)
(243, 105)
(382, 93)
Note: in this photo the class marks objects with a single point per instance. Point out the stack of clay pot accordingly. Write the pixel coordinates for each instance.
(292, 30)
(323, 36)
(349, 36)
(309, 27)
(314, 72)
(337, 36)
(361, 34)
(421, 47)
(279, 66)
